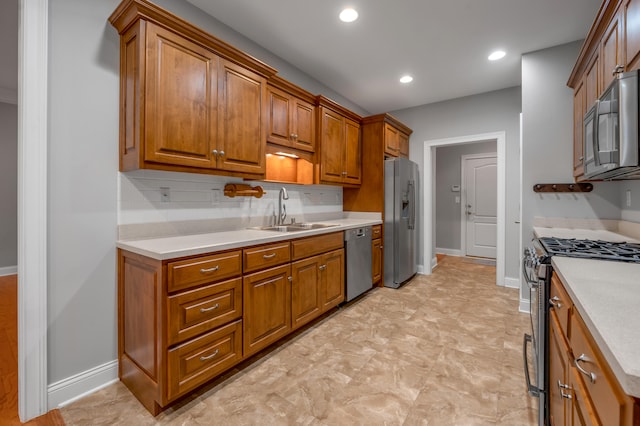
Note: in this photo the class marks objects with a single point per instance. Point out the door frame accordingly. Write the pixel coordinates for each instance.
(33, 40)
(463, 197)
(429, 192)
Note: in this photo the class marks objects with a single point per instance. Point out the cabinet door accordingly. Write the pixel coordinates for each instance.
(611, 55)
(579, 109)
(242, 106)
(304, 126)
(353, 153)
(391, 140)
(404, 145)
(332, 279)
(306, 303)
(266, 308)
(332, 150)
(376, 260)
(592, 81)
(181, 95)
(559, 389)
(632, 34)
(279, 105)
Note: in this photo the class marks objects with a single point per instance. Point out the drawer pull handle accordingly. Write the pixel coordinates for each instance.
(206, 271)
(322, 267)
(268, 256)
(208, 357)
(555, 302)
(562, 386)
(216, 306)
(584, 358)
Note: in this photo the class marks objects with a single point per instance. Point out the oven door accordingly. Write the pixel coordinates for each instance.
(534, 274)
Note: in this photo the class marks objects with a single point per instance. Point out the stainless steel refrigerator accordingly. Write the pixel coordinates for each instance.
(400, 213)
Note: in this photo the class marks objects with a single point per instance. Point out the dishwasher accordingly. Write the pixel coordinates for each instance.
(357, 244)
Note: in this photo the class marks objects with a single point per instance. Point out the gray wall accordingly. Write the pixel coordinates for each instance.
(83, 165)
(448, 173)
(8, 185)
(547, 123)
(484, 113)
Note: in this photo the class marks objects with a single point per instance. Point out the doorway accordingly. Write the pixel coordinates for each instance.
(479, 182)
(429, 191)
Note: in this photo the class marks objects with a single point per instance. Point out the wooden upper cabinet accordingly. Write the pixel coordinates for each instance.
(352, 153)
(242, 95)
(391, 140)
(611, 51)
(631, 19)
(404, 144)
(579, 109)
(189, 102)
(291, 116)
(340, 144)
(181, 113)
(592, 81)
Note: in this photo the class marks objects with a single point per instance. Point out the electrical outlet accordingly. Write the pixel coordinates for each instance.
(628, 198)
(165, 195)
(457, 200)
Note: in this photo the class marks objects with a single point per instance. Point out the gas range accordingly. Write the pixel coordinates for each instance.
(588, 249)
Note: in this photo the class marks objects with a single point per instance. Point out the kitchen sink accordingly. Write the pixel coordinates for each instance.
(295, 227)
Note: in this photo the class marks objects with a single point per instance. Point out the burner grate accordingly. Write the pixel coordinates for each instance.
(592, 249)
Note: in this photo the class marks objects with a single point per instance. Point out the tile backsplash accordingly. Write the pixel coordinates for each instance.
(151, 196)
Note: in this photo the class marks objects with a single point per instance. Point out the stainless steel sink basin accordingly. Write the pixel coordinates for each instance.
(296, 227)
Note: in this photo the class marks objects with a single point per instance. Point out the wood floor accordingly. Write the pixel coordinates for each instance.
(9, 359)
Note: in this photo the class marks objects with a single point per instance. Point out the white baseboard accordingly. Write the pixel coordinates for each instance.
(511, 282)
(449, 252)
(420, 269)
(8, 270)
(82, 384)
(524, 306)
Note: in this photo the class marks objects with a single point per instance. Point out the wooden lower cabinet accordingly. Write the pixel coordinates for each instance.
(583, 389)
(267, 308)
(332, 279)
(183, 322)
(376, 260)
(306, 297)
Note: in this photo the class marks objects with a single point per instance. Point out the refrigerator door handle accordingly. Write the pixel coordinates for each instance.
(412, 200)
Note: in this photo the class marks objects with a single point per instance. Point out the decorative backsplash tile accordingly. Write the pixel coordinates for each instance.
(148, 196)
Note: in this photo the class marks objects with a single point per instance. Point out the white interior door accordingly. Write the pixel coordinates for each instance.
(480, 208)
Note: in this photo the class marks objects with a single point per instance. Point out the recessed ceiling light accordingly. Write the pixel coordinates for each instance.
(406, 79)
(498, 54)
(348, 15)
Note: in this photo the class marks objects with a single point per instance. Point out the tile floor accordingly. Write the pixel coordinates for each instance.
(444, 349)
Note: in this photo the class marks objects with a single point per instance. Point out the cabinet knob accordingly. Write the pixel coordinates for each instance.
(555, 302)
(322, 267)
(290, 278)
(221, 153)
(344, 173)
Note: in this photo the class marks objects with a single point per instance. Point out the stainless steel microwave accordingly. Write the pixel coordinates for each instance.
(611, 147)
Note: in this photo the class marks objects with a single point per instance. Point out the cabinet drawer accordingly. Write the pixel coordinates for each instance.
(560, 303)
(266, 256)
(306, 247)
(203, 309)
(201, 270)
(376, 232)
(603, 390)
(199, 360)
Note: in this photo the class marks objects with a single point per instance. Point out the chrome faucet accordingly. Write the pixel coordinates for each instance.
(282, 209)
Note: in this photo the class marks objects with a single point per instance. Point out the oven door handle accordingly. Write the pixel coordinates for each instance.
(533, 390)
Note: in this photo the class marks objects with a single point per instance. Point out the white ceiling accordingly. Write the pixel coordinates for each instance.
(444, 44)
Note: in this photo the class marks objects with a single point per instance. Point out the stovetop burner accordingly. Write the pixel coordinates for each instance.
(591, 249)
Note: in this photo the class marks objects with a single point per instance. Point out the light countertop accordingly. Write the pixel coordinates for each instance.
(607, 296)
(189, 245)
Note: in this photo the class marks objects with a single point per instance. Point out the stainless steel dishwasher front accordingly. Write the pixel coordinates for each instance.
(357, 243)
